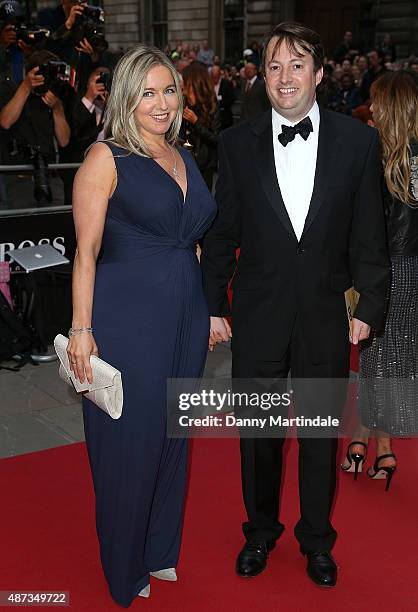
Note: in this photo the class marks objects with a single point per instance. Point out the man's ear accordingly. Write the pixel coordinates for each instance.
(318, 75)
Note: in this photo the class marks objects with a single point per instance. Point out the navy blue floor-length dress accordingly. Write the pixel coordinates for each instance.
(151, 322)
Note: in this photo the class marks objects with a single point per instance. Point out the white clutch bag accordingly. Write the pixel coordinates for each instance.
(106, 389)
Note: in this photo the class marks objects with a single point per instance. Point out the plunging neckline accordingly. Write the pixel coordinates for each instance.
(184, 194)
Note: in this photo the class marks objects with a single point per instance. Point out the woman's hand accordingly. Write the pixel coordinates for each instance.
(80, 348)
(190, 115)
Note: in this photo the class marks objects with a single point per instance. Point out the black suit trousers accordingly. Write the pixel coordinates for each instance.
(261, 458)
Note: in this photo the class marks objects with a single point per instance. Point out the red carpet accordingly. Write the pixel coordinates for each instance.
(48, 538)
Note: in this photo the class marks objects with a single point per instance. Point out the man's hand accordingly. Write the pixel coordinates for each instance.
(76, 10)
(95, 89)
(359, 331)
(26, 49)
(33, 80)
(85, 47)
(8, 36)
(220, 331)
(51, 100)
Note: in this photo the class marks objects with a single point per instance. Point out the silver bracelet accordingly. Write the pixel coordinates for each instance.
(72, 331)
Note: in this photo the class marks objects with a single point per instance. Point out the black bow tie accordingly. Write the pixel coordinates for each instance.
(304, 128)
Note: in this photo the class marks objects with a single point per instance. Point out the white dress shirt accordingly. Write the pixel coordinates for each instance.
(295, 168)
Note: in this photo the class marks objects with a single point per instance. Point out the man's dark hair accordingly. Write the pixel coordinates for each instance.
(38, 57)
(296, 37)
(380, 53)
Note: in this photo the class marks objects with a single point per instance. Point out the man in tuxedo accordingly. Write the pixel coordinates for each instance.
(225, 96)
(299, 194)
(254, 97)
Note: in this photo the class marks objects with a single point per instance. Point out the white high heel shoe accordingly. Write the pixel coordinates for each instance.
(165, 574)
(145, 591)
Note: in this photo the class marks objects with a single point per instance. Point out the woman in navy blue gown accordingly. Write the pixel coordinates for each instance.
(140, 204)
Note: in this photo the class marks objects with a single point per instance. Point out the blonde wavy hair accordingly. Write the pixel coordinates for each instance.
(128, 85)
(394, 96)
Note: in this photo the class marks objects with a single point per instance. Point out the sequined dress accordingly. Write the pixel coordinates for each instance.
(388, 392)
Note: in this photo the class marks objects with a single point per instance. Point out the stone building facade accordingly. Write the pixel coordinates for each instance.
(231, 25)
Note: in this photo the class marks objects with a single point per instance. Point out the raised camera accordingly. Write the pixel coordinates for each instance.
(32, 37)
(55, 74)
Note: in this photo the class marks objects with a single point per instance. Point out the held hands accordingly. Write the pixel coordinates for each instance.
(220, 331)
(190, 115)
(359, 331)
(80, 348)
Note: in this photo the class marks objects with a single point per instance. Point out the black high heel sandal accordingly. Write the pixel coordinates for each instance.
(380, 473)
(355, 460)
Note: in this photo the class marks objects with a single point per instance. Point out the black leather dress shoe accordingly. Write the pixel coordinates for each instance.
(322, 568)
(252, 559)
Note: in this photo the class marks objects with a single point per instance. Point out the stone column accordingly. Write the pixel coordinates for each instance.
(188, 20)
(261, 16)
(122, 23)
(400, 19)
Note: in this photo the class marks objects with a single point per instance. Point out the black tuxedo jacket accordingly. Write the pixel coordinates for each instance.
(343, 241)
(226, 91)
(255, 101)
(85, 128)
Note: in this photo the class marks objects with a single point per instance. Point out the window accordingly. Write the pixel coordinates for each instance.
(234, 29)
(159, 23)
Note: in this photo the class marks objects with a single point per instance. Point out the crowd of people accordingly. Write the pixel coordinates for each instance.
(307, 214)
(55, 79)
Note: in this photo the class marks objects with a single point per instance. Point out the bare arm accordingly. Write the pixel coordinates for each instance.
(11, 112)
(93, 185)
(61, 128)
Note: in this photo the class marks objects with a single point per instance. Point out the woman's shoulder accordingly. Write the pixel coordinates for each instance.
(99, 153)
(106, 145)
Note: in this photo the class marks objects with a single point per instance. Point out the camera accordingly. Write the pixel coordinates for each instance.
(89, 25)
(56, 74)
(31, 36)
(94, 13)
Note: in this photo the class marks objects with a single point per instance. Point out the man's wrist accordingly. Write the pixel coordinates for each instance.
(58, 108)
(26, 88)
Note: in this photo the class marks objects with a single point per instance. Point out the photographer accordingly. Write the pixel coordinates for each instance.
(76, 35)
(12, 50)
(60, 21)
(35, 115)
(89, 110)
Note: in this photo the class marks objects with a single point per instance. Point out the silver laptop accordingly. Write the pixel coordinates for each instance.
(37, 257)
